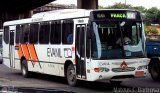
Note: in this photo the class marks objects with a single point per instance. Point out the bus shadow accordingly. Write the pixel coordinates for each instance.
(100, 86)
(93, 86)
(49, 78)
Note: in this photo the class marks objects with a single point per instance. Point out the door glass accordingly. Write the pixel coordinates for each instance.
(11, 38)
(78, 39)
(82, 41)
(80, 50)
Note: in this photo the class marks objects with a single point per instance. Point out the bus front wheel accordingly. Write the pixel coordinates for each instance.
(24, 69)
(71, 75)
(154, 71)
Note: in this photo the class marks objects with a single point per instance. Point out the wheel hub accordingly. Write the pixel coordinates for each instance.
(71, 75)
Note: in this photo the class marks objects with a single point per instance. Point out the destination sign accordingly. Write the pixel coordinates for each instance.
(115, 15)
(118, 15)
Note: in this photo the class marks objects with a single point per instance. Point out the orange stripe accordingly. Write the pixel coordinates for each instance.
(25, 51)
(19, 50)
(32, 53)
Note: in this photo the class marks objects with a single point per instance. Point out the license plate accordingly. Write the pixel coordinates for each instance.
(139, 73)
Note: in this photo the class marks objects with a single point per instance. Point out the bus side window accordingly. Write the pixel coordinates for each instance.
(33, 35)
(44, 33)
(6, 34)
(24, 33)
(67, 32)
(55, 36)
(18, 31)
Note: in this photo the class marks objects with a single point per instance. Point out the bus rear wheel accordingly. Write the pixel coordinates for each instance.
(24, 69)
(71, 75)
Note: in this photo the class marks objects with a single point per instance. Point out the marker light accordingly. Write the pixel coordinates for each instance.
(96, 69)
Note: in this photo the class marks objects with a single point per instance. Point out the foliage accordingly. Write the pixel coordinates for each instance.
(140, 8)
(101, 7)
(150, 30)
(150, 16)
(123, 6)
(119, 6)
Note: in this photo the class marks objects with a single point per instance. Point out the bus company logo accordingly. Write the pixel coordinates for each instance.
(103, 64)
(123, 65)
(67, 53)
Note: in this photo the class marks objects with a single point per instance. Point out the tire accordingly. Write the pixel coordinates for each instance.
(116, 83)
(154, 71)
(71, 76)
(24, 69)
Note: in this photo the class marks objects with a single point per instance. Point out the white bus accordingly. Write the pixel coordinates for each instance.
(1, 33)
(78, 44)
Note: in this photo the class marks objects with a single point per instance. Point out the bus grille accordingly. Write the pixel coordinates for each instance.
(127, 69)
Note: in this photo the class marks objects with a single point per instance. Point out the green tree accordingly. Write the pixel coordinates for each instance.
(140, 8)
(123, 6)
(152, 15)
(101, 7)
(119, 6)
(150, 30)
(149, 16)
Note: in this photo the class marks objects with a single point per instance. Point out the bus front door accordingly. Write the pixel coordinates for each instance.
(11, 46)
(80, 51)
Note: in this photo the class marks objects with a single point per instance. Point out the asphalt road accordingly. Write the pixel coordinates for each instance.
(14, 79)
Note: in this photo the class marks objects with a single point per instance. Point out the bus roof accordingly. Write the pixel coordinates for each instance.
(64, 13)
(56, 15)
(52, 15)
(14, 22)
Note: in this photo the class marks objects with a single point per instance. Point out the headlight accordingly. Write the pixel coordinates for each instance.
(142, 67)
(101, 69)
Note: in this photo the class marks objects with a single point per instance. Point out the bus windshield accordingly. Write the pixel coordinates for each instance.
(117, 40)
